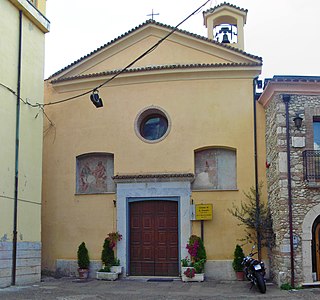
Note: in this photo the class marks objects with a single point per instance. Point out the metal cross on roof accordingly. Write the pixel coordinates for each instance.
(152, 14)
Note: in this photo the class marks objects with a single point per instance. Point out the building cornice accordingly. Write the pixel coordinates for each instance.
(156, 177)
(33, 14)
(298, 85)
(183, 69)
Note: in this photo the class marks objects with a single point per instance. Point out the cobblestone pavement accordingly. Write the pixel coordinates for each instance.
(73, 289)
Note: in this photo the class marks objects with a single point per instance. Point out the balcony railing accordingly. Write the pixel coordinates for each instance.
(311, 165)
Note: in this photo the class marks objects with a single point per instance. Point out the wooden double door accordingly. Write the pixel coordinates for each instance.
(317, 249)
(154, 238)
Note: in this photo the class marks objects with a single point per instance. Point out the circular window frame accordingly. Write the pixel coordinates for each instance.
(143, 114)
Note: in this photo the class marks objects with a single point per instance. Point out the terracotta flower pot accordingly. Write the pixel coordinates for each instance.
(240, 275)
(83, 273)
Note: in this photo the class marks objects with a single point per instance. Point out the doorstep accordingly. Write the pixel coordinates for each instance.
(315, 284)
(151, 278)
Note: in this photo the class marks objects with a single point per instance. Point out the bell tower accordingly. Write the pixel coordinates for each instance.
(225, 24)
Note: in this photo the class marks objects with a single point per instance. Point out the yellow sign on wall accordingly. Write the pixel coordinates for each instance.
(203, 211)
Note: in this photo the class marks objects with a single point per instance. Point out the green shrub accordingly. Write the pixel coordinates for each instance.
(197, 253)
(105, 269)
(286, 286)
(238, 257)
(116, 262)
(107, 255)
(83, 256)
(199, 266)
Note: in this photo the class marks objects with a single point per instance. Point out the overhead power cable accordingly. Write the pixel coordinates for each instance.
(130, 64)
(26, 102)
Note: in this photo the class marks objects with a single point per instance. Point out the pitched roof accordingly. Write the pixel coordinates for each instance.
(148, 22)
(155, 68)
(211, 10)
(294, 78)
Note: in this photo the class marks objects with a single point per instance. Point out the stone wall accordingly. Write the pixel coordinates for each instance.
(28, 263)
(69, 268)
(304, 198)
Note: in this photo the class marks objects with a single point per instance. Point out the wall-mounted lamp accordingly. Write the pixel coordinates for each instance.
(297, 121)
(95, 99)
(114, 203)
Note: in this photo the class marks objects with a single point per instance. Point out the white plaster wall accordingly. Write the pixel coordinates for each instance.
(179, 189)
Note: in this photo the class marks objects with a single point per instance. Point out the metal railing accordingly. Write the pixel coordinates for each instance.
(311, 165)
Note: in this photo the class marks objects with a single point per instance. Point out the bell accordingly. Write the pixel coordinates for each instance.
(225, 39)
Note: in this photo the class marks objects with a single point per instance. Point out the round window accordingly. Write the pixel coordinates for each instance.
(152, 125)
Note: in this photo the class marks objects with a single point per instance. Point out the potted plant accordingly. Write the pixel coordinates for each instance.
(238, 257)
(186, 264)
(116, 267)
(83, 261)
(195, 270)
(114, 238)
(108, 272)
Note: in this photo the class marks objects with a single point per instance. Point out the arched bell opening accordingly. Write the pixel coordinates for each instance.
(226, 33)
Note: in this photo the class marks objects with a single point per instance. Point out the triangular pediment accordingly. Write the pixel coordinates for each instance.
(179, 48)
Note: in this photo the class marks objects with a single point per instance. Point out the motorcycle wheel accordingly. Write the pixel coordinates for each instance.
(261, 283)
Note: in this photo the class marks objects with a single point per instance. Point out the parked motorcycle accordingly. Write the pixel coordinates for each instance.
(255, 271)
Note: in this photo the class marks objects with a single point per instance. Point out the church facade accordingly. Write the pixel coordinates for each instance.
(149, 141)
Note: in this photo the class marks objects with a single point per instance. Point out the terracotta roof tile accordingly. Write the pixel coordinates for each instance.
(153, 177)
(295, 78)
(156, 68)
(160, 175)
(161, 25)
(211, 10)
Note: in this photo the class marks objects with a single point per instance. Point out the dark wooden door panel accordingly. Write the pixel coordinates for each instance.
(154, 238)
(317, 242)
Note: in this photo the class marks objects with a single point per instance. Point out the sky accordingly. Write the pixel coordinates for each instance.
(285, 33)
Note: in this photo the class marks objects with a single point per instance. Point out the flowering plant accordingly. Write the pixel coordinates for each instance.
(107, 254)
(193, 247)
(197, 252)
(114, 237)
(189, 272)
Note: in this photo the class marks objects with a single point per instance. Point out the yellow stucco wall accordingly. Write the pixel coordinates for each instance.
(30, 154)
(41, 5)
(216, 111)
(184, 49)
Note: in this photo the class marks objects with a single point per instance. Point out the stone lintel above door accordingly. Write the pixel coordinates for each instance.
(153, 177)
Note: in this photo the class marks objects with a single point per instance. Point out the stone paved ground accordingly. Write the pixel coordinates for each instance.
(72, 289)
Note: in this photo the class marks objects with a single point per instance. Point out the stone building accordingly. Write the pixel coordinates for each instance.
(293, 160)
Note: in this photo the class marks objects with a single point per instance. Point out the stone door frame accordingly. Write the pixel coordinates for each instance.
(129, 188)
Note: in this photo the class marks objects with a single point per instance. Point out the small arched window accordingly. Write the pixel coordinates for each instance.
(215, 169)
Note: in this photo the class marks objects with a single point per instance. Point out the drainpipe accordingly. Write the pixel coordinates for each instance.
(286, 100)
(15, 212)
(256, 163)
